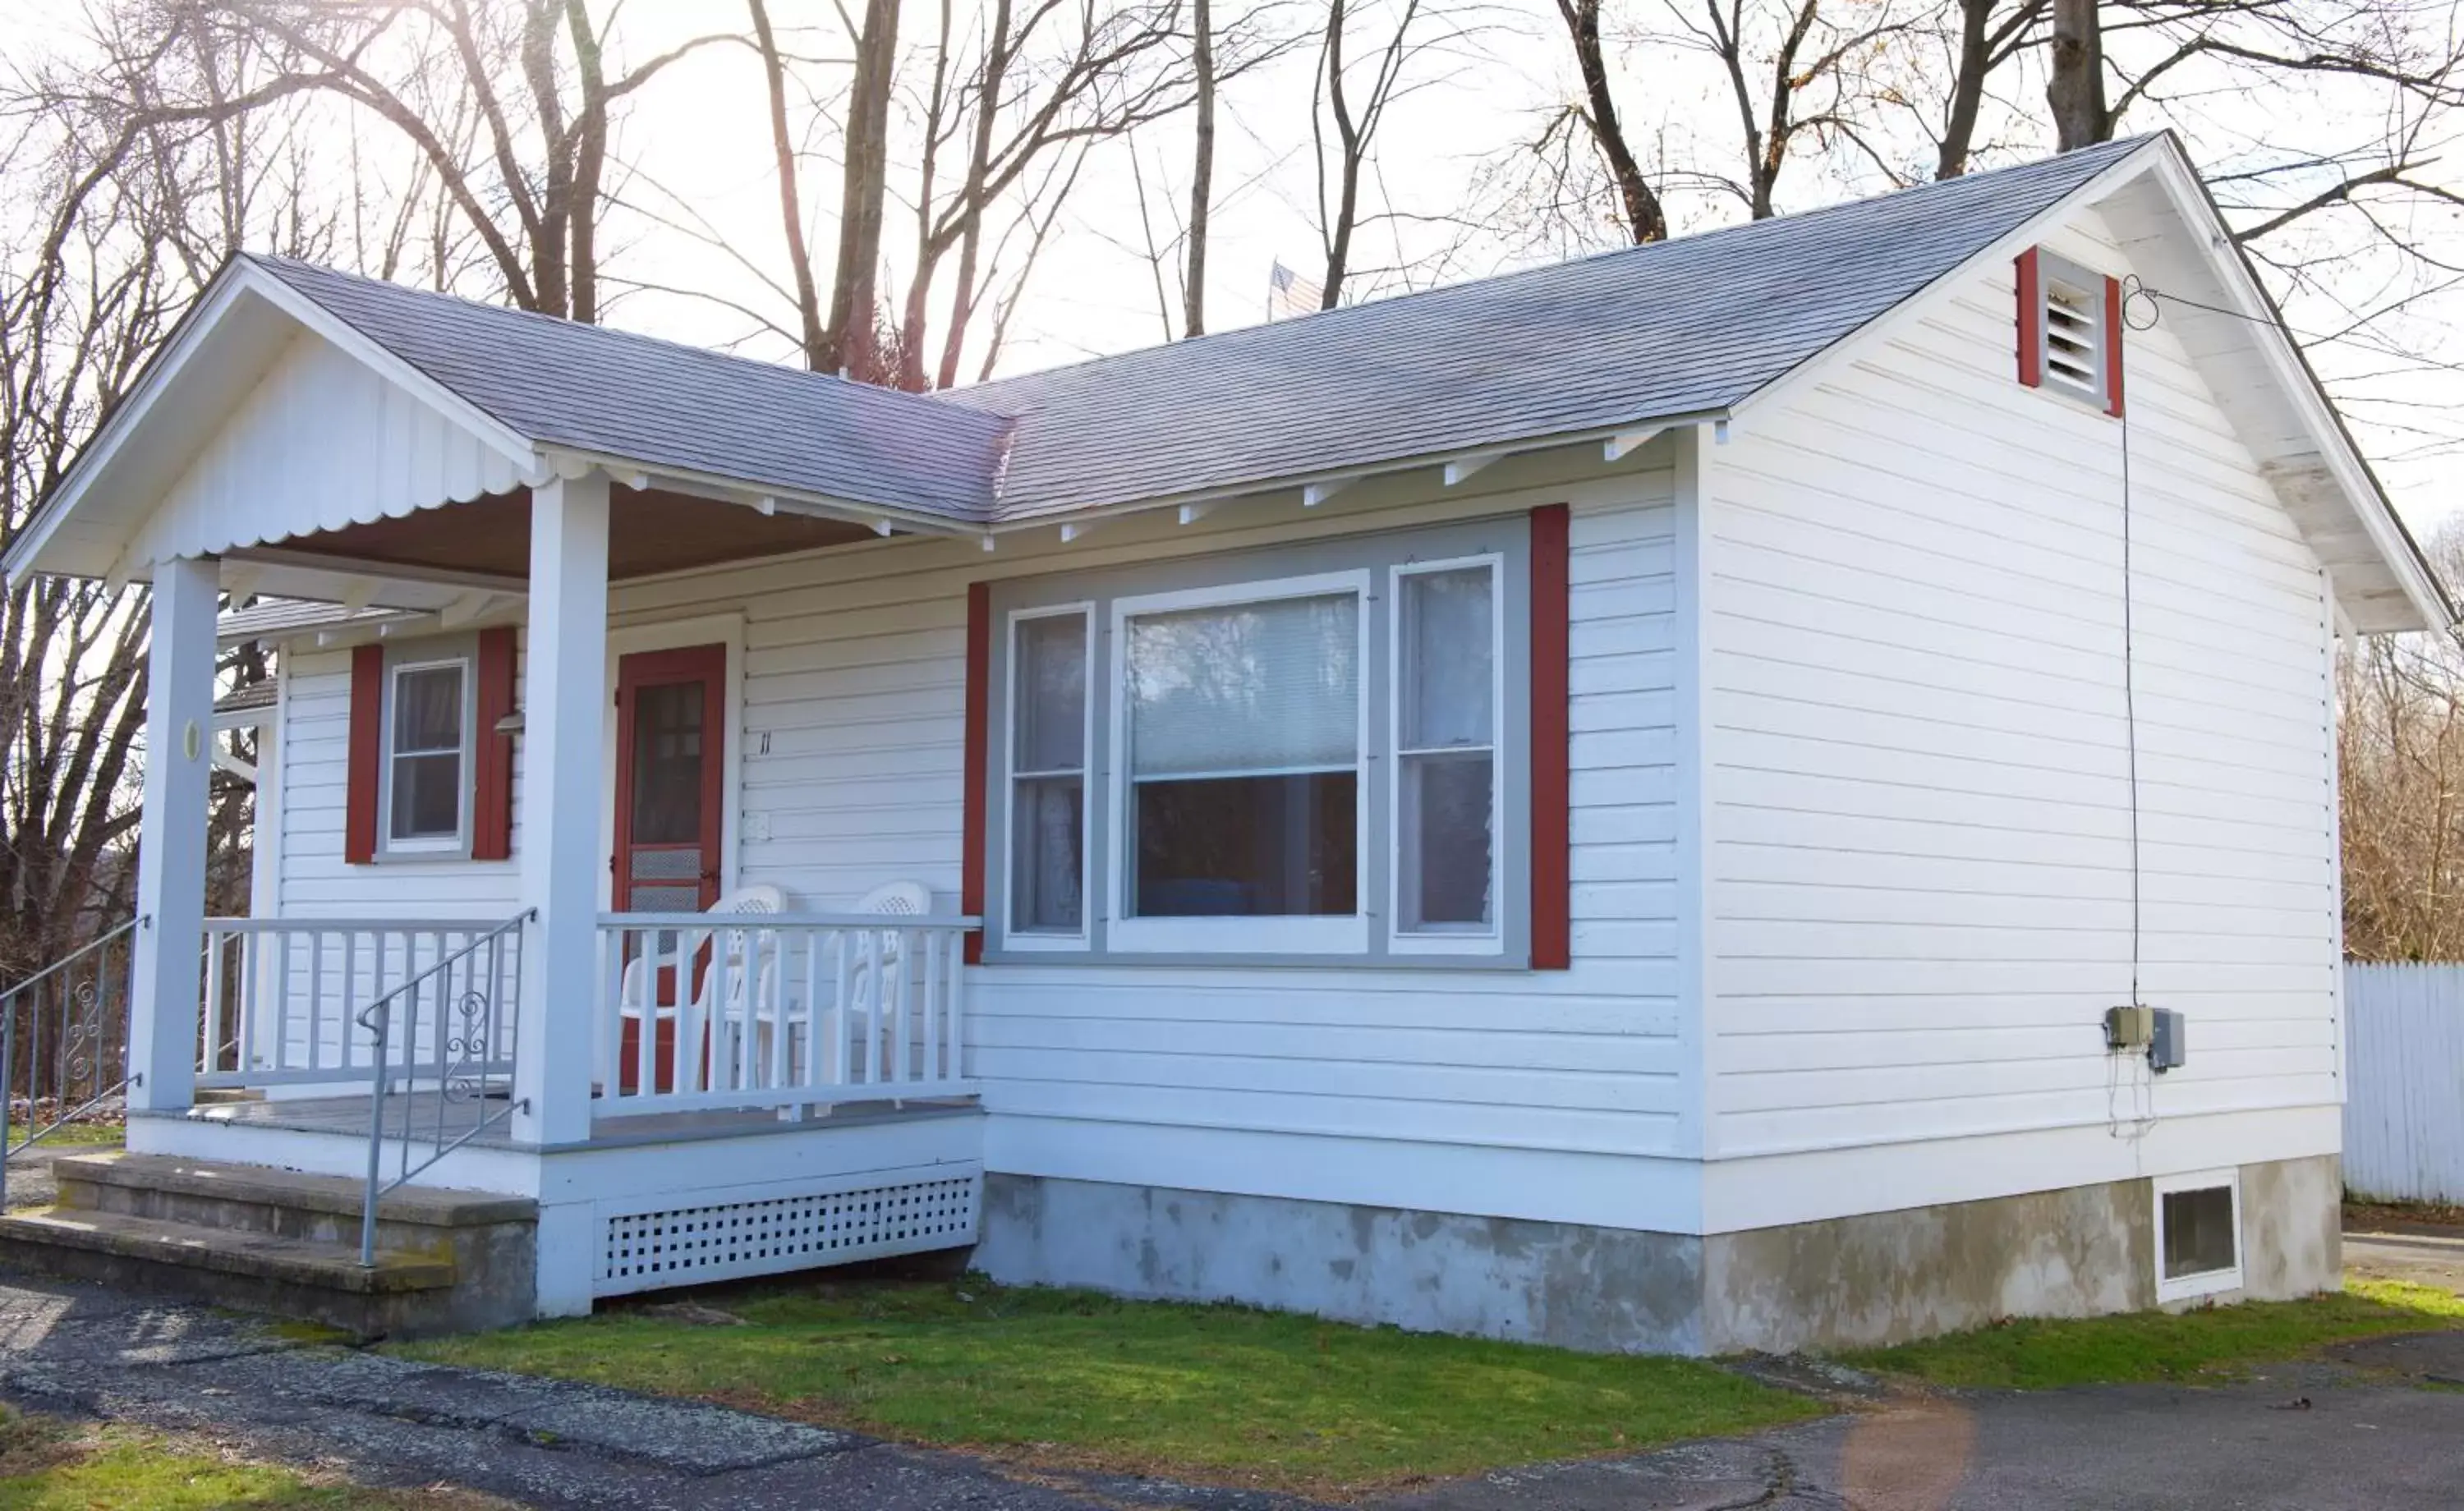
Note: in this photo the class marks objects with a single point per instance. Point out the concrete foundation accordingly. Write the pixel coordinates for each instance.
(1874, 1278)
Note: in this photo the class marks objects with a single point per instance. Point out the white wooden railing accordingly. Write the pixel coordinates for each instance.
(281, 997)
(782, 1010)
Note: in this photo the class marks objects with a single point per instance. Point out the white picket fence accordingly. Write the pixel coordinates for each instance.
(2404, 1091)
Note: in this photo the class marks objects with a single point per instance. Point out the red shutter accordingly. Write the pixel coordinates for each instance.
(2031, 320)
(2113, 348)
(1552, 817)
(366, 748)
(979, 759)
(491, 765)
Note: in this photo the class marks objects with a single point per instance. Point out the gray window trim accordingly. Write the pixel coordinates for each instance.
(1506, 536)
(399, 657)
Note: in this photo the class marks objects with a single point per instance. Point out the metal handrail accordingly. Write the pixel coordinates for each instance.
(73, 956)
(373, 1018)
(8, 1054)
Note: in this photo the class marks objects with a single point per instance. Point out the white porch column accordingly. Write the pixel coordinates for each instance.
(163, 1004)
(564, 692)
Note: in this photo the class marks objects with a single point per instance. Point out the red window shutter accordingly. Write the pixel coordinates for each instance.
(979, 759)
(2031, 320)
(2113, 348)
(1552, 945)
(366, 748)
(491, 765)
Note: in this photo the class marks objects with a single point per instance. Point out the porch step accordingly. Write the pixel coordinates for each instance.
(276, 1240)
(286, 1262)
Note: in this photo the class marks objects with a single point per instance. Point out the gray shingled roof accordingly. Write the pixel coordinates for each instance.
(660, 404)
(1647, 333)
(1626, 337)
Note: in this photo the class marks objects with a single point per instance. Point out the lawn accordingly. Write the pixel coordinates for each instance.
(47, 1465)
(1222, 1394)
(2207, 1345)
(75, 1136)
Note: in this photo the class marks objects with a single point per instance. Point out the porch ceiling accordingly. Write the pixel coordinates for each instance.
(649, 530)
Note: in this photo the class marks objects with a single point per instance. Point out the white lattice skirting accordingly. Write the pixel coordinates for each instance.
(833, 1223)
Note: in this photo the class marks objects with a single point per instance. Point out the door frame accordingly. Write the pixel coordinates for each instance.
(726, 630)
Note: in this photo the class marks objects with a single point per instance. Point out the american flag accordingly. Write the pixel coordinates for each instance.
(1289, 294)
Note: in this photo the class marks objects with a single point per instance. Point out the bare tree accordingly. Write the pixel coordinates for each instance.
(1350, 101)
(1646, 219)
(1201, 173)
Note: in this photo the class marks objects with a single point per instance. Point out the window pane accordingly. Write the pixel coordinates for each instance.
(428, 796)
(1048, 818)
(1267, 687)
(667, 763)
(1449, 663)
(2199, 1235)
(428, 710)
(1050, 685)
(1447, 861)
(1246, 846)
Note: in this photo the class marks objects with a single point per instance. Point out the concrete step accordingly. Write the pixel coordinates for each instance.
(401, 1294)
(254, 1198)
(276, 1240)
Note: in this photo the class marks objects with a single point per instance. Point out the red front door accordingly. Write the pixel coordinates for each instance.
(671, 753)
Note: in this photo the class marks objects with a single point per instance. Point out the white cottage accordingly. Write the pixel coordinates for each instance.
(1609, 805)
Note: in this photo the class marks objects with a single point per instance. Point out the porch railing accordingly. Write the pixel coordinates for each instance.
(64, 1040)
(443, 1039)
(283, 996)
(783, 1009)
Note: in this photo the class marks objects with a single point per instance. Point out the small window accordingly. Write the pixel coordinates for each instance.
(1446, 667)
(2198, 1235)
(1048, 774)
(427, 755)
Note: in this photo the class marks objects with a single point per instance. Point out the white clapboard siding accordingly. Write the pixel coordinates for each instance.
(313, 878)
(1918, 803)
(2404, 1107)
(851, 759)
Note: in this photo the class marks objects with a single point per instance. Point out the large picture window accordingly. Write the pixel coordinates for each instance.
(1241, 728)
(1224, 760)
(428, 756)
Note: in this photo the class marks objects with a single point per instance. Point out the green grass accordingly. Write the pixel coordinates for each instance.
(1211, 1393)
(50, 1465)
(75, 1136)
(2210, 1344)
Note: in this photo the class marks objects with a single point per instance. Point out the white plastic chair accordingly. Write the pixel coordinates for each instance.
(758, 976)
(876, 959)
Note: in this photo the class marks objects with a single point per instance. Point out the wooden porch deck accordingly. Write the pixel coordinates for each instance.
(419, 1112)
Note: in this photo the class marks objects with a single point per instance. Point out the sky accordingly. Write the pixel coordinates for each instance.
(695, 147)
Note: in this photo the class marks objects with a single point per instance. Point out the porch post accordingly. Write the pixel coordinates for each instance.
(164, 996)
(565, 691)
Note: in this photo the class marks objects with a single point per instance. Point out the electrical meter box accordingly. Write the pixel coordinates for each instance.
(2128, 1027)
(2165, 1047)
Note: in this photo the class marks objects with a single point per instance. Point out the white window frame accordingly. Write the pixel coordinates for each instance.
(428, 846)
(2207, 1283)
(1014, 937)
(1289, 934)
(1445, 941)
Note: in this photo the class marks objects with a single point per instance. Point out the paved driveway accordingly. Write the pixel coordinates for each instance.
(2377, 1431)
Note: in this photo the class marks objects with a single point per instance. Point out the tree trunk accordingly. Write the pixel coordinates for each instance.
(1349, 145)
(848, 343)
(1966, 89)
(590, 166)
(1202, 177)
(1645, 219)
(791, 212)
(2076, 87)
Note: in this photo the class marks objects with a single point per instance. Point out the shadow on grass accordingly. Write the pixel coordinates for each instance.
(2207, 1345)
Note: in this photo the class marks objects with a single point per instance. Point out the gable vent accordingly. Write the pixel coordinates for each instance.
(2069, 330)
